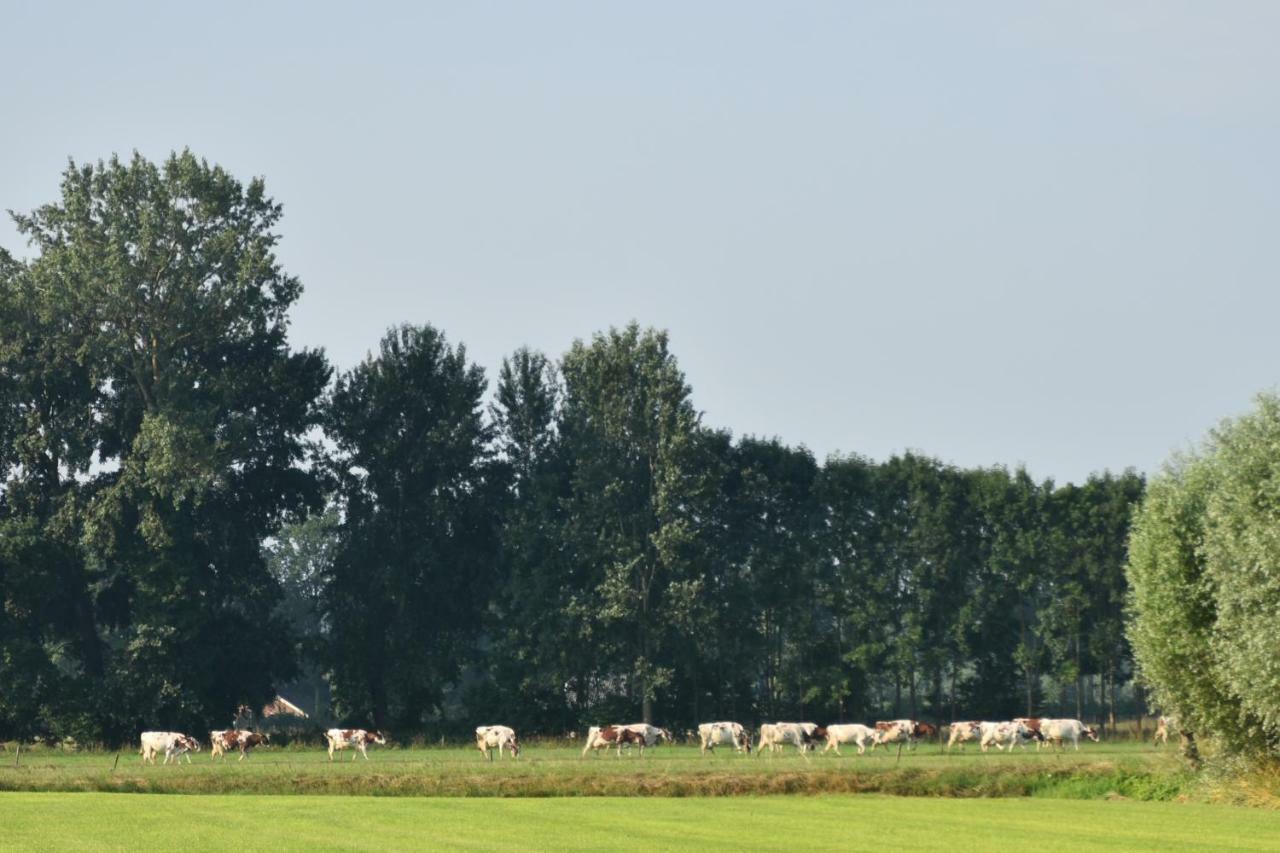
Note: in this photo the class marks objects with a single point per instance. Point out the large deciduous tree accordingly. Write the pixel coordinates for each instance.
(630, 427)
(159, 423)
(416, 486)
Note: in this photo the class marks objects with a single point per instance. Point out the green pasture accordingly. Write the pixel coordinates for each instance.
(93, 822)
(1127, 768)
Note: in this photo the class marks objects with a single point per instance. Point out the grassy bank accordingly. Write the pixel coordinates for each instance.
(1102, 771)
(106, 822)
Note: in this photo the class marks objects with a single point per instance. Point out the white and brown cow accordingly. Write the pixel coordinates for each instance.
(711, 735)
(849, 733)
(1004, 734)
(963, 732)
(1058, 731)
(803, 736)
(1163, 725)
(241, 740)
(174, 745)
(490, 738)
(355, 739)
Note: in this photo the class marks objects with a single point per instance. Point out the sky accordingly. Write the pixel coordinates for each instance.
(1022, 233)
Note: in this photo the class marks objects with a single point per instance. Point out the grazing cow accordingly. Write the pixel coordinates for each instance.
(711, 735)
(604, 737)
(238, 739)
(356, 739)
(1056, 731)
(489, 738)
(1010, 733)
(804, 736)
(174, 745)
(846, 733)
(963, 732)
(1162, 730)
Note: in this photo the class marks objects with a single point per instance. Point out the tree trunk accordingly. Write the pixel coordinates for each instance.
(1079, 681)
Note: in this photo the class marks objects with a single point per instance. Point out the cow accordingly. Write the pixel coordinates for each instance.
(604, 737)
(356, 739)
(221, 742)
(894, 731)
(1056, 731)
(963, 732)
(489, 738)
(1010, 733)
(1163, 724)
(711, 735)
(846, 733)
(1035, 725)
(923, 731)
(804, 736)
(173, 744)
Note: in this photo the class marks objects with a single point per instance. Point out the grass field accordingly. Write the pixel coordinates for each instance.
(34, 821)
(1097, 770)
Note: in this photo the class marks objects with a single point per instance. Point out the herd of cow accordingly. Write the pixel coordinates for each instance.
(174, 745)
(806, 737)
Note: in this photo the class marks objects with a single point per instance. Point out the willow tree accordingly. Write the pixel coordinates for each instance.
(1204, 569)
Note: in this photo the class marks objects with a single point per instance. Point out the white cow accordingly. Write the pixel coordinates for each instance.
(174, 745)
(1163, 725)
(962, 733)
(1057, 731)
(355, 739)
(776, 735)
(846, 733)
(489, 738)
(711, 735)
(1008, 733)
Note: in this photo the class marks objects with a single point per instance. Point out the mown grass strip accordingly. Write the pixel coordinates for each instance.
(99, 822)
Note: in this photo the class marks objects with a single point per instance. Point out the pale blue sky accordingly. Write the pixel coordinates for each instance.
(1039, 233)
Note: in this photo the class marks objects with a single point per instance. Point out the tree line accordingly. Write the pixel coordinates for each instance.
(194, 514)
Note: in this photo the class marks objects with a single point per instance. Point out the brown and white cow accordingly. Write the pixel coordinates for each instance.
(605, 737)
(649, 735)
(489, 738)
(222, 742)
(356, 739)
(1163, 725)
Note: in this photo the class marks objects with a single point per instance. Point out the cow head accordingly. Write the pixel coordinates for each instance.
(1091, 733)
(665, 735)
(375, 737)
(191, 743)
(514, 746)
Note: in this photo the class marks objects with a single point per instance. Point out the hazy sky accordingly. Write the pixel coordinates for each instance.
(1040, 233)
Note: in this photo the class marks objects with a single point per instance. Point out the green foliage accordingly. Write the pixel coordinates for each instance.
(158, 422)
(415, 556)
(1205, 594)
